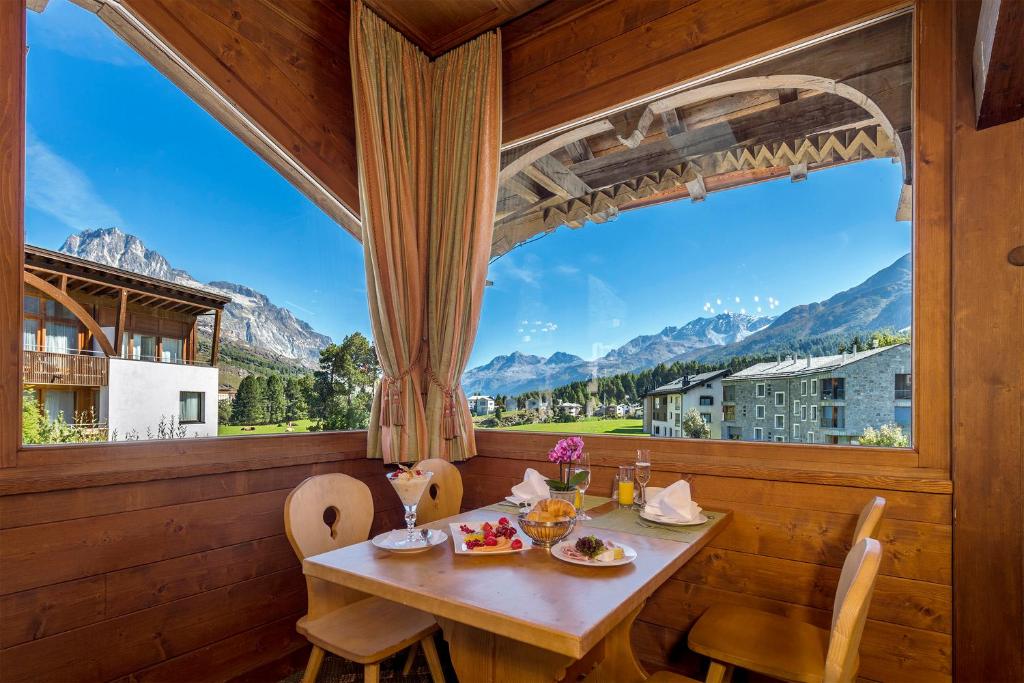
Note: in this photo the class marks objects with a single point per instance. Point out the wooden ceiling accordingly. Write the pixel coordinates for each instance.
(437, 26)
(836, 103)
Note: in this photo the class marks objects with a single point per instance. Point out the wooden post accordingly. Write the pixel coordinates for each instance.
(122, 309)
(12, 214)
(215, 348)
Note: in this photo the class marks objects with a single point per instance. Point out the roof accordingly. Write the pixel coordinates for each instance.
(794, 367)
(687, 382)
(98, 279)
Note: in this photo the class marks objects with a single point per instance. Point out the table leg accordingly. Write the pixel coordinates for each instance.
(483, 657)
(620, 664)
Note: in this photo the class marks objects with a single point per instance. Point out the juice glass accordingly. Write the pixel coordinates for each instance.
(625, 486)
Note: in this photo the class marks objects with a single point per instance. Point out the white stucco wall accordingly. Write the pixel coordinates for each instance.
(140, 393)
(691, 399)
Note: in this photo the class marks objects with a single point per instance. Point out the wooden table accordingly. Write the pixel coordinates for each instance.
(522, 617)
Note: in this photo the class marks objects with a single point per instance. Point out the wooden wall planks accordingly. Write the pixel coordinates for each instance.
(187, 578)
(988, 370)
(783, 553)
(618, 51)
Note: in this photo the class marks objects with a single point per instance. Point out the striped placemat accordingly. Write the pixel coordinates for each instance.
(629, 521)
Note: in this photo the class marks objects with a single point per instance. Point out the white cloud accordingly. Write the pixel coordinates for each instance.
(527, 338)
(567, 270)
(56, 186)
(79, 33)
(737, 299)
(718, 302)
(616, 322)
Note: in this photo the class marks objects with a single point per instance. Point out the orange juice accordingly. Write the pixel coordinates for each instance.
(578, 503)
(625, 493)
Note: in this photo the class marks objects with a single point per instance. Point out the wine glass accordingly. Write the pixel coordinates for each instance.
(582, 465)
(643, 473)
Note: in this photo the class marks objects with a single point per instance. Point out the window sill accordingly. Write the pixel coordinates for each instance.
(71, 466)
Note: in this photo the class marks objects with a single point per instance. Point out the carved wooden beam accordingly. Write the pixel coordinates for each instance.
(76, 309)
(556, 178)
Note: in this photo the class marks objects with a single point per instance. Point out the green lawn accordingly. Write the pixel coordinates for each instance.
(236, 430)
(593, 425)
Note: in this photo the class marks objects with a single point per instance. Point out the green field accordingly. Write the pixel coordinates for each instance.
(236, 430)
(592, 425)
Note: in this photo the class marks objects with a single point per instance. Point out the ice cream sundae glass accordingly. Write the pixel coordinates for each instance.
(410, 483)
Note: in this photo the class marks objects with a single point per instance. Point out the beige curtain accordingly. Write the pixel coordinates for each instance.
(464, 186)
(391, 85)
(428, 139)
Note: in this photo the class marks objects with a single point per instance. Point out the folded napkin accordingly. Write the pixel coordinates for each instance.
(674, 503)
(534, 487)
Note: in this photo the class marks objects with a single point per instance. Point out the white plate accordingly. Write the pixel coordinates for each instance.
(557, 551)
(461, 549)
(668, 521)
(386, 541)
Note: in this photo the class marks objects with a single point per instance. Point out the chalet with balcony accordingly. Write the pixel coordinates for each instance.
(116, 351)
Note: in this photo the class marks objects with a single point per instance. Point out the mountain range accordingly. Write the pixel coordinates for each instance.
(251, 321)
(883, 301)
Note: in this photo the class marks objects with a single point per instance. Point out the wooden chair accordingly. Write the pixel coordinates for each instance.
(786, 648)
(870, 519)
(443, 498)
(331, 511)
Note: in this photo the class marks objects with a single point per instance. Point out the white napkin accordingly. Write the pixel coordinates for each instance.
(534, 487)
(674, 503)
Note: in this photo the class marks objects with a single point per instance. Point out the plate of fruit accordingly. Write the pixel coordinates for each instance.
(486, 538)
(592, 551)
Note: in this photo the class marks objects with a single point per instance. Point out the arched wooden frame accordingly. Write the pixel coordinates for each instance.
(707, 92)
(75, 307)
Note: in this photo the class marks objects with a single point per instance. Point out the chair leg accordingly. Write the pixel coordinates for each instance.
(316, 658)
(410, 659)
(719, 673)
(433, 660)
(371, 673)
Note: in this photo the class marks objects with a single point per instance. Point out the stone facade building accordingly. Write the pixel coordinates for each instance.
(825, 399)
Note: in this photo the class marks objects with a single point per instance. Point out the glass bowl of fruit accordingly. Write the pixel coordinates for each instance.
(548, 522)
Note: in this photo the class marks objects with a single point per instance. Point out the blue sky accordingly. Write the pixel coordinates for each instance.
(112, 142)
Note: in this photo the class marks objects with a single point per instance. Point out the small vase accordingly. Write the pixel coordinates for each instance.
(568, 496)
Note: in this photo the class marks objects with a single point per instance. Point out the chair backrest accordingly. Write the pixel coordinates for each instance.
(443, 498)
(853, 597)
(870, 519)
(327, 511)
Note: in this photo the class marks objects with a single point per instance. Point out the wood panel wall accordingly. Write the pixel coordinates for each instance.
(184, 579)
(988, 376)
(783, 553)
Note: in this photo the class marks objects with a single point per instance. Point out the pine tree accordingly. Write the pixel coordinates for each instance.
(277, 403)
(296, 392)
(249, 406)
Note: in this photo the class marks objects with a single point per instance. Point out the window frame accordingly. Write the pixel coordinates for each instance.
(758, 433)
(933, 116)
(202, 407)
(780, 417)
(760, 390)
(760, 411)
(780, 399)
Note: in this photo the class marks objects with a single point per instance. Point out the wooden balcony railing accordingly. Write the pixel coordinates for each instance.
(48, 367)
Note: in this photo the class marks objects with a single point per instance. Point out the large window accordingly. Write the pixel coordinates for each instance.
(653, 248)
(833, 388)
(166, 230)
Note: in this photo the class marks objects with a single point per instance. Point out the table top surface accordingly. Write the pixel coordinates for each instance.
(529, 596)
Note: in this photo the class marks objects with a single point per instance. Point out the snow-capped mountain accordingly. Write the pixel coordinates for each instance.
(518, 372)
(883, 301)
(250, 319)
